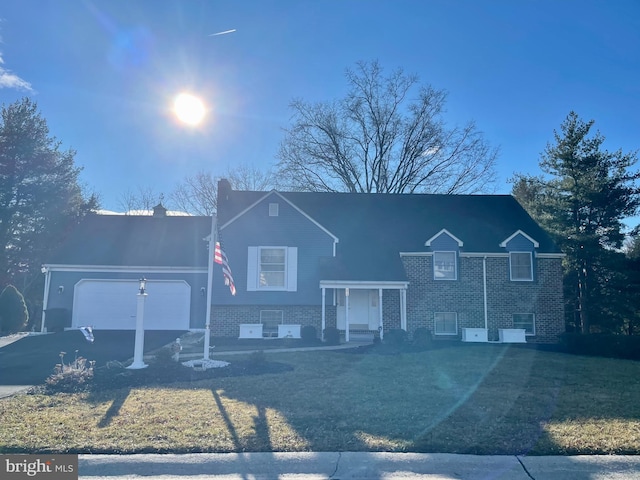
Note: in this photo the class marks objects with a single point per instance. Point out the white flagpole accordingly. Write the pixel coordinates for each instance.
(207, 322)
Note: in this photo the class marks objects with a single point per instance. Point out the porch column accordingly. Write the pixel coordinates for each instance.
(323, 312)
(346, 314)
(380, 326)
(403, 309)
(45, 300)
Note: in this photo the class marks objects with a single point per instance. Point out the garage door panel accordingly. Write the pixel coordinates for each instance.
(112, 305)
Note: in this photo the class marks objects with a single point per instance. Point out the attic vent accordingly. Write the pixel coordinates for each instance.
(273, 209)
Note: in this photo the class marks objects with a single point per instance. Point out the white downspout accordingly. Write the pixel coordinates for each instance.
(380, 313)
(323, 313)
(484, 282)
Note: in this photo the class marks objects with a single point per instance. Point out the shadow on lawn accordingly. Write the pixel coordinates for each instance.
(460, 399)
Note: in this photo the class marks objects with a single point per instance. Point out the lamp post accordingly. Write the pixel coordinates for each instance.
(138, 361)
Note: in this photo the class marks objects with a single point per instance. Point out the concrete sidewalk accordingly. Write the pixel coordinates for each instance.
(355, 465)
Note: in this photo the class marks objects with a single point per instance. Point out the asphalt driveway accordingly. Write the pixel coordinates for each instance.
(30, 360)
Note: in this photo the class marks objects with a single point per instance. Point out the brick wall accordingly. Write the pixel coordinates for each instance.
(426, 296)
(226, 320)
(542, 297)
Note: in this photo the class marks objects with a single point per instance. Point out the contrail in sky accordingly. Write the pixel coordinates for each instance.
(222, 33)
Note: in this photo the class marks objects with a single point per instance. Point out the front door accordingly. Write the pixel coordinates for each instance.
(364, 311)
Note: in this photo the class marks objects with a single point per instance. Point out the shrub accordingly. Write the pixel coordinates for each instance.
(602, 345)
(72, 377)
(332, 336)
(257, 359)
(56, 319)
(422, 337)
(14, 315)
(395, 337)
(308, 334)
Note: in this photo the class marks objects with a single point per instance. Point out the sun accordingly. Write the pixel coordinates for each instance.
(189, 109)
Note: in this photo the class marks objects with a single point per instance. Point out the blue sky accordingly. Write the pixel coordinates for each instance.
(104, 74)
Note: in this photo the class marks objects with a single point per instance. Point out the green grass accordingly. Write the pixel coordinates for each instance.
(481, 399)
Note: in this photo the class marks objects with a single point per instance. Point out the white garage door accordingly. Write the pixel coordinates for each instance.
(112, 304)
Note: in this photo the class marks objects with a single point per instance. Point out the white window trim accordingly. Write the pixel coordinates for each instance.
(533, 316)
(511, 267)
(444, 334)
(455, 265)
(290, 270)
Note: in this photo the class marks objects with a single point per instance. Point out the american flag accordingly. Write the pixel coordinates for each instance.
(220, 258)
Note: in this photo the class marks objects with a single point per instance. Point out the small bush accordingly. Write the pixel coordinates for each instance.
(308, 334)
(164, 357)
(422, 337)
(332, 336)
(14, 315)
(56, 319)
(68, 378)
(602, 345)
(395, 337)
(257, 359)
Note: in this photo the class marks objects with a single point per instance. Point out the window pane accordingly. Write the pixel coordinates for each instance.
(446, 323)
(521, 266)
(526, 321)
(444, 265)
(272, 267)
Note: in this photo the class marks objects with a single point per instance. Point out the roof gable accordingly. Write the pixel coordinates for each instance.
(444, 231)
(277, 194)
(513, 236)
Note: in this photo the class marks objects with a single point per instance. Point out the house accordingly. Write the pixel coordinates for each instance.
(473, 267)
(93, 277)
(469, 267)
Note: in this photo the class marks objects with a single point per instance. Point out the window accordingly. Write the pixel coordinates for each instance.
(444, 265)
(272, 268)
(521, 265)
(446, 323)
(270, 319)
(526, 321)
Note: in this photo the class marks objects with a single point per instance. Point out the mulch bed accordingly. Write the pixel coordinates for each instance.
(164, 374)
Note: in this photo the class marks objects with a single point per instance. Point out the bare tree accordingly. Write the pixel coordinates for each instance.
(380, 140)
(249, 177)
(139, 202)
(197, 194)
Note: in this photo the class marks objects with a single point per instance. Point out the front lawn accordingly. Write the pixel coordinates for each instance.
(481, 399)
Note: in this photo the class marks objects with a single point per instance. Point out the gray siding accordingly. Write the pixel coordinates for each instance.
(289, 229)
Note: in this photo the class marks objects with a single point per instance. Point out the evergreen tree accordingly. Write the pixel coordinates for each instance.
(582, 198)
(40, 194)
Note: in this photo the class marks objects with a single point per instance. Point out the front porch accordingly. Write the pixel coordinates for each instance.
(359, 308)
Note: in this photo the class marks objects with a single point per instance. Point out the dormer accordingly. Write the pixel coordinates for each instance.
(445, 247)
(521, 248)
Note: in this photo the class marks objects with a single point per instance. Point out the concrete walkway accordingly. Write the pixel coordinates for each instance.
(356, 465)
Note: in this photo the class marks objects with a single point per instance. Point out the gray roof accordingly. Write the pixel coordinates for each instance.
(373, 228)
(130, 240)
